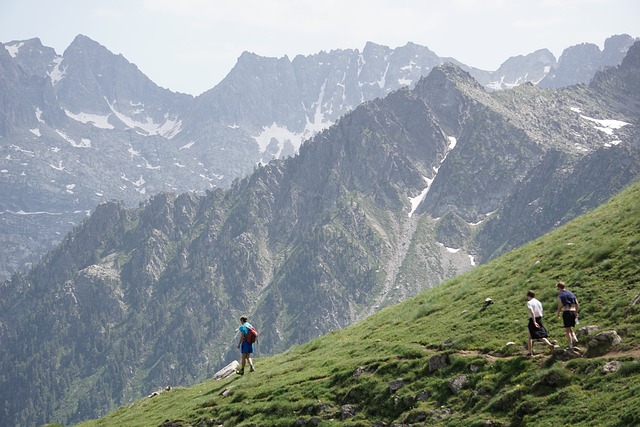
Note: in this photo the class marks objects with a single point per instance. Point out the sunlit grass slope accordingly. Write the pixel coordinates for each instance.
(348, 377)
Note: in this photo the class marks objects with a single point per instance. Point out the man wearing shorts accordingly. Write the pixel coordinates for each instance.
(246, 348)
(568, 305)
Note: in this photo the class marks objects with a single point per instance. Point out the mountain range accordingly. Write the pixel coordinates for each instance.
(88, 126)
(398, 195)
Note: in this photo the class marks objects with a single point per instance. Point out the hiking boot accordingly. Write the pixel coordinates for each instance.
(240, 371)
(251, 369)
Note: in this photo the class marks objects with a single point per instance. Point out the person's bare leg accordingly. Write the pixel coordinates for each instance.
(569, 335)
(243, 362)
(548, 343)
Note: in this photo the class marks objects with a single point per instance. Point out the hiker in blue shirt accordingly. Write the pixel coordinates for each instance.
(245, 347)
(568, 304)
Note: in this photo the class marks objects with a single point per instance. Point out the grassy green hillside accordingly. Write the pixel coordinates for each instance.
(381, 371)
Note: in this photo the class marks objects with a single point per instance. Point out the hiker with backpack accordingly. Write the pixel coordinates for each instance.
(248, 336)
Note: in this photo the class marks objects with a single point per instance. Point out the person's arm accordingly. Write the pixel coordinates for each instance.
(577, 307)
(559, 306)
(241, 338)
(533, 317)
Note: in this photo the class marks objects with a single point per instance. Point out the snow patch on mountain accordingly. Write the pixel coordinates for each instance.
(133, 152)
(84, 142)
(21, 150)
(148, 165)
(14, 48)
(502, 84)
(96, 120)
(383, 80)
(21, 212)
(57, 73)
(168, 129)
(275, 137)
(138, 184)
(39, 115)
(280, 134)
(606, 126)
(415, 201)
(59, 167)
(36, 132)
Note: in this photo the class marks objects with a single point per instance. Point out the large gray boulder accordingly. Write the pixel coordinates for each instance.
(602, 343)
(227, 371)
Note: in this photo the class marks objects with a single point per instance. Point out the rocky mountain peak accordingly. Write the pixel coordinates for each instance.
(34, 58)
(82, 43)
(371, 48)
(632, 58)
(579, 63)
(444, 91)
(93, 80)
(621, 83)
(457, 75)
(616, 47)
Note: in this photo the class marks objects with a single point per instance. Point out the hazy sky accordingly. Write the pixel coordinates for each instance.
(190, 45)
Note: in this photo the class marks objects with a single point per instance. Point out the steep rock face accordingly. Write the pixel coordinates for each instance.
(578, 64)
(14, 104)
(616, 49)
(621, 85)
(509, 75)
(33, 57)
(95, 80)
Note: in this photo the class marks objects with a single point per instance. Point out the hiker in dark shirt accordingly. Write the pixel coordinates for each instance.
(569, 306)
(245, 347)
(537, 331)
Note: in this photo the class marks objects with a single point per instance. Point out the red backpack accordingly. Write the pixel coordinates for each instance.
(251, 336)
